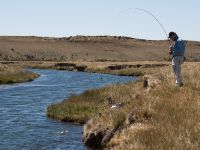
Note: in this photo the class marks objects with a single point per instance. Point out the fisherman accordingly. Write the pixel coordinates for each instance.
(177, 50)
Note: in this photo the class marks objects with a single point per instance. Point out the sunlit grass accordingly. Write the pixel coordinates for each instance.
(9, 75)
(78, 109)
(160, 116)
(176, 119)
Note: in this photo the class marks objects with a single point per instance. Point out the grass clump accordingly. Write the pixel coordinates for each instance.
(176, 116)
(78, 108)
(118, 119)
(160, 116)
(10, 75)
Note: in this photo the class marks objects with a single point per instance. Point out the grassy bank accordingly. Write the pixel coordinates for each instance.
(175, 115)
(78, 108)
(160, 116)
(14, 74)
(137, 68)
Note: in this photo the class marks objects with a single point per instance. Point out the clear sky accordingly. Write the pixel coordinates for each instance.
(59, 18)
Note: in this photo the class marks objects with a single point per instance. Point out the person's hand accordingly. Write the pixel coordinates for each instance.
(170, 49)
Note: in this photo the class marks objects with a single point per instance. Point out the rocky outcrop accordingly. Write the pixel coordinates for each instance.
(71, 66)
(96, 137)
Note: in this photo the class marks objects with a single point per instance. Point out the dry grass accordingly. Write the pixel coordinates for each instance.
(78, 109)
(164, 117)
(176, 116)
(88, 48)
(14, 74)
(97, 67)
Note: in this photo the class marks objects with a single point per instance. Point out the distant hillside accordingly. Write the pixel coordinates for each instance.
(88, 48)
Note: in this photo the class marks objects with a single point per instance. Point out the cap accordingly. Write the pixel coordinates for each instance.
(171, 33)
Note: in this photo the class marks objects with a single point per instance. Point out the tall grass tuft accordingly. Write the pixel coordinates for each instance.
(160, 116)
(9, 74)
(78, 108)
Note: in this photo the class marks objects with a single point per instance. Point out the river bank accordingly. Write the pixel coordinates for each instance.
(24, 124)
(127, 68)
(148, 114)
(15, 74)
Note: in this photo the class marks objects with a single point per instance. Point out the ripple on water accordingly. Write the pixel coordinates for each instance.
(23, 124)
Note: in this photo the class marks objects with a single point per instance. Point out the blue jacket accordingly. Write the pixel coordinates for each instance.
(178, 48)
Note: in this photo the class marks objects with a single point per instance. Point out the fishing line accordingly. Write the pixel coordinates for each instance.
(154, 18)
(149, 13)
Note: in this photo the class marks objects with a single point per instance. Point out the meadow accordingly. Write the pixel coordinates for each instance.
(157, 116)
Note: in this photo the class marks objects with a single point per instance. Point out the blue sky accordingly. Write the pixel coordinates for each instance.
(59, 18)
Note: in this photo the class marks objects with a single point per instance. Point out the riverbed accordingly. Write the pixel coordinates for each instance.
(23, 121)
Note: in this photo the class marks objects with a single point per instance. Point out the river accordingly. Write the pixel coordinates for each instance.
(23, 121)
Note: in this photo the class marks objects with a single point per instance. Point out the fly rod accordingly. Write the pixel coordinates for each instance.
(149, 13)
(143, 10)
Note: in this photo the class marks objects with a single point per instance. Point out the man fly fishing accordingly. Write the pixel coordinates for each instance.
(177, 50)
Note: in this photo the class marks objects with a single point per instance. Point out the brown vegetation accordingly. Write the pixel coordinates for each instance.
(175, 115)
(15, 74)
(149, 114)
(88, 48)
(159, 116)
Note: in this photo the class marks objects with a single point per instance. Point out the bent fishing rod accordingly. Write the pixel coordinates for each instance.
(152, 15)
(143, 10)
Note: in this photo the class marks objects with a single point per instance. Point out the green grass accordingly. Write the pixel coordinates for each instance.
(164, 117)
(17, 77)
(118, 119)
(78, 108)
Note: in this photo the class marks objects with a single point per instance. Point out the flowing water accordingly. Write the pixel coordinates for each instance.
(23, 121)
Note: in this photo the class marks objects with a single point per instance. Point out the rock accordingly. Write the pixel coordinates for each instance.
(117, 105)
(62, 132)
(145, 83)
(80, 67)
(94, 139)
(71, 66)
(107, 137)
(65, 64)
(117, 67)
(114, 106)
(98, 139)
